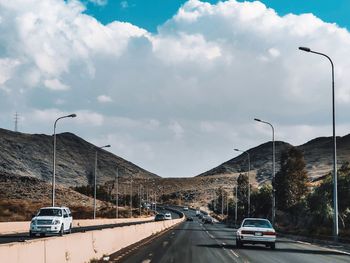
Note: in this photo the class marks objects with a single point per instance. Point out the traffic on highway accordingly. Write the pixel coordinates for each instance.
(194, 241)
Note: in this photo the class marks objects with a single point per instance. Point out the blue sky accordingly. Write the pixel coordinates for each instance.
(149, 14)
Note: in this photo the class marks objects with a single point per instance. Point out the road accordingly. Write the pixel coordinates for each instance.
(21, 237)
(192, 242)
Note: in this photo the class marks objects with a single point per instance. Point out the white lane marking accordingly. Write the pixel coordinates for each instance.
(165, 243)
(325, 248)
(146, 261)
(234, 253)
(305, 243)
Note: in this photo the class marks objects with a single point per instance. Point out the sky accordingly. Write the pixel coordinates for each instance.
(174, 86)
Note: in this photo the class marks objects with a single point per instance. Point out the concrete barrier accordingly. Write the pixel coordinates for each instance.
(80, 247)
(7, 228)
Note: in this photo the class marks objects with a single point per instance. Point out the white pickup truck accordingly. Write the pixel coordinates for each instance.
(51, 220)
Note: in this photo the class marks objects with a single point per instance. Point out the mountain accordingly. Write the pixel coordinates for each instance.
(317, 153)
(31, 155)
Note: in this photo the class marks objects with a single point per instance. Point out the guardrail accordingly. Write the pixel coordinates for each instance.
(81, 247)
(7, 228)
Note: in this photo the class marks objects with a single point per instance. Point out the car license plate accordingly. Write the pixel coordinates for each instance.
(258, 234)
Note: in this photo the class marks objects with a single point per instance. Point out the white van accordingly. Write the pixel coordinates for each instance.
(51, 220)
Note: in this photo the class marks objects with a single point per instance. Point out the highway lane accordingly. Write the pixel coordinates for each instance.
(195, 242)
(21, 237)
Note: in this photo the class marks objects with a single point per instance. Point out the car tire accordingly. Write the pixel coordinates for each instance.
(31, 234)
(61, 231)
(273, 246)
(238, 243)
(70, 229)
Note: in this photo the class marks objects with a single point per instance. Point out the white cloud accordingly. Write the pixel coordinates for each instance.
(104, 99)
(124, 4)
(188, 92)
(177, 129)
(55, 84)
(99, 2)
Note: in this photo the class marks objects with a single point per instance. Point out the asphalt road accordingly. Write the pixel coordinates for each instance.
(21, 237)
(192, 242)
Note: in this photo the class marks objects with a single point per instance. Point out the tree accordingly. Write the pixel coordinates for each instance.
(291, 181)
(242, 194)
(261, 201)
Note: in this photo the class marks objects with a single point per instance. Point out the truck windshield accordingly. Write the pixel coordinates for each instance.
(50, 212)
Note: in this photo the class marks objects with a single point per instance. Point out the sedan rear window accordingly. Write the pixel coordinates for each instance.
(257, 223)
(50, 212)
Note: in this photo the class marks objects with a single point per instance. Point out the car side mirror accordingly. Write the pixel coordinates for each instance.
(33, 215)
(65, 216)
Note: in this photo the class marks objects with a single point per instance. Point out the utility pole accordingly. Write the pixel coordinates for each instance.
(236, 204)
(140, 198)
(131, 197)
(117, 195)
(222, 202)
(16, 121)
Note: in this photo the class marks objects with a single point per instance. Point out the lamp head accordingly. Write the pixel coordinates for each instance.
(255, 119)
(72, 115)
(306, 49)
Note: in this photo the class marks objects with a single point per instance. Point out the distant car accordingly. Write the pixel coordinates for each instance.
(198, 212)
(256, 231)
(167, 216)
(159, 217)
(189, 218)
(200, 216)
(208, 220)
(51, 220)
(185, 208)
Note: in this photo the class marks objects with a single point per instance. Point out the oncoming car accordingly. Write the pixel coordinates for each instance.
(51, 220)
(256, 231)
(167, 216)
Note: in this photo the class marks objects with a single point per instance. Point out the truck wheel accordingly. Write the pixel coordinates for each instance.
(31, 234)
(273, 246)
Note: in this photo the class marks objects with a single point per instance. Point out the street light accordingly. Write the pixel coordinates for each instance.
(273, 171)
(335, 179)
(95, 175)
(237, 150)
(54, 155)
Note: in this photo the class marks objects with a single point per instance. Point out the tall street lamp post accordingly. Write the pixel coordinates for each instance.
(237, 150)
(273, 171)
(335, 176)
(54, 155)
(95, 176)
(117, 195)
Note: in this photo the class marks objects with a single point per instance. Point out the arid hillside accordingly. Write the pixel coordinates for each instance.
(317, 153)
(31, 155)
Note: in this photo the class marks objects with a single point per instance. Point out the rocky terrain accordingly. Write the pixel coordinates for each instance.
(317, 153)
(31, 155)
(26, 173)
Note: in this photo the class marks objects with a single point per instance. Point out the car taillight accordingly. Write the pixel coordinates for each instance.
(270, 233)
(246, 232)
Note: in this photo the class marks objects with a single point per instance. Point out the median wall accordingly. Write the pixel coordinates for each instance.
(22, 227)
(80, 247)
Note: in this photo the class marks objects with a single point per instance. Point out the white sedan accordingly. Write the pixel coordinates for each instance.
(256, 231)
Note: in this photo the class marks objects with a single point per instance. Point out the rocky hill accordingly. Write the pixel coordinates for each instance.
(31, 155)
(317, 154)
